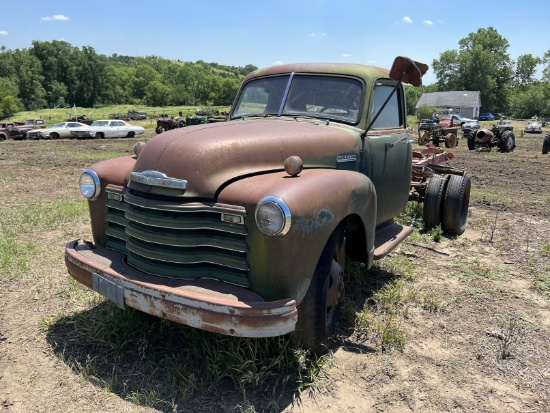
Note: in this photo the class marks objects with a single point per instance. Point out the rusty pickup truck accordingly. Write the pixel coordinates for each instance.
(242, 227)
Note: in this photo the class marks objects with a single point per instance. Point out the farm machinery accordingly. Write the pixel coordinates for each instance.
(500, 136)
(437, 134)
(165, 122)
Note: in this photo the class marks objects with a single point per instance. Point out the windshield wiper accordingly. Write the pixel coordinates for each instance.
(254, 115)
(326, 120)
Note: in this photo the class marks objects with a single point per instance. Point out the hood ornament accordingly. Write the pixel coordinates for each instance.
(155, 178)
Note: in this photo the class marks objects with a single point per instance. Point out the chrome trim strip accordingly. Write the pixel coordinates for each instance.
(155, 178)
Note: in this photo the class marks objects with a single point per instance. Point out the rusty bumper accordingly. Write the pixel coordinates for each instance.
(206, 304)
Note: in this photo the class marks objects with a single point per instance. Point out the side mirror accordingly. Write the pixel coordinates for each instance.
(408, 71)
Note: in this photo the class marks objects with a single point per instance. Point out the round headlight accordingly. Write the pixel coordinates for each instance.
(273, 216)
(89, 183)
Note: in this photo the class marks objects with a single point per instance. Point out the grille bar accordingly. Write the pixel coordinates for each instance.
(178, 240)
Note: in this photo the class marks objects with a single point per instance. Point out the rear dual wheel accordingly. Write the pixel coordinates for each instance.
(446, 202)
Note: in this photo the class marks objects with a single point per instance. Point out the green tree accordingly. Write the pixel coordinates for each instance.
(412, 95)
(10, 105)
(8, 87)
(157, 94)
(481, 63)
(526, 68)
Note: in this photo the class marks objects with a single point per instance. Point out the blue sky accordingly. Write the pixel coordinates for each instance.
(262, 33)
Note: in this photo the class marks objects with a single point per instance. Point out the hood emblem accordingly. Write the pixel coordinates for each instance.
(155, 178)
(346, 158)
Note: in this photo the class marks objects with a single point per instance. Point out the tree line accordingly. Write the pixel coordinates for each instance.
(482, 63)
(55, 74)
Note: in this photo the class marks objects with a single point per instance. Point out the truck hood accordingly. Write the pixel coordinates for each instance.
(210, 155)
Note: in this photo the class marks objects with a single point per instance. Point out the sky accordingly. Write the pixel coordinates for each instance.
(267, 33)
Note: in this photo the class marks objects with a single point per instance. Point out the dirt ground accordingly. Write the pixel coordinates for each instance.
(451, 360)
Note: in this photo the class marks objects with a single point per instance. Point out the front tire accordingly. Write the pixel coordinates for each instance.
(319, 311)
(131, 135)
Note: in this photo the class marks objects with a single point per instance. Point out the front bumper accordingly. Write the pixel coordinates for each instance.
(206, 304)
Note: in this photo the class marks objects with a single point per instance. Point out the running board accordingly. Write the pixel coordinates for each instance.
(388, 238)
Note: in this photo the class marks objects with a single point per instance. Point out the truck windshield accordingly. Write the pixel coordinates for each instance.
(319, 96)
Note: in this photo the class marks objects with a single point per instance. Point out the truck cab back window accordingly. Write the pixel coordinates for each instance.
(390, 116)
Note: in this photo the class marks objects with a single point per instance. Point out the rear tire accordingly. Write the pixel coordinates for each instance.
(472, 139)
(455, 204)
(546, 144)
(319, 311)
(433, 201)
(507, 142)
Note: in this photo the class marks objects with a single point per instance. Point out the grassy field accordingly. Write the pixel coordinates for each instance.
(52, 116)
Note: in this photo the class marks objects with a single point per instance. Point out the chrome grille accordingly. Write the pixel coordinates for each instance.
(178, 240)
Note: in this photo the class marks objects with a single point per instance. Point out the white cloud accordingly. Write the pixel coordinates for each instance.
(428, 22)
(346, 54)
(371, 62)
(317, 34)
(407, 19)
(278, 62)
(58, 17)
(3, 33)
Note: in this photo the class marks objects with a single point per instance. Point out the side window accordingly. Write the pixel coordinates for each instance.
(390, 116)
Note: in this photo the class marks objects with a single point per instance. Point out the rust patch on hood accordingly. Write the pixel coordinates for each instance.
(209, 155)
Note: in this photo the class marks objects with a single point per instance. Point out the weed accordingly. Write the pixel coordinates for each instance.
(511, 331)
(433, 303)
(543, 285)
(476, 269)
(381, 318)
(411, 216)
(545, 250)
(436, 233)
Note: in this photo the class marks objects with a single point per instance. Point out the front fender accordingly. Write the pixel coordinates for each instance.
(318, 199)
(113, 171)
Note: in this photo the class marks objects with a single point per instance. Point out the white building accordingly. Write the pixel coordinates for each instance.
(464, 103)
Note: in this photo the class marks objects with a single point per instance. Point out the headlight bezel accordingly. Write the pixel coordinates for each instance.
(96, 186)
(282, 208)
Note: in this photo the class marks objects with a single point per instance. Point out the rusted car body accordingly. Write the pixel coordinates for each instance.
(242, 227)
(19, 131)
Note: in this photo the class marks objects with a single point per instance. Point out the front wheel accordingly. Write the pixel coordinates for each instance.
(319, 311)
(131, 134)
(159, 129)
(451, 140)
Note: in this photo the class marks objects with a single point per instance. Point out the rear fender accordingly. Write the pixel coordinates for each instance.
(319, 200)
